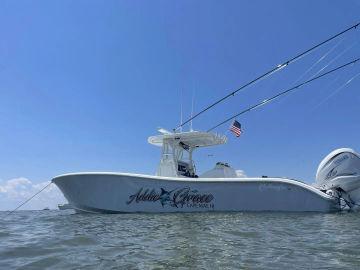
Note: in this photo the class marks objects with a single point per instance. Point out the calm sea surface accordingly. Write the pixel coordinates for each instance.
(63, 240)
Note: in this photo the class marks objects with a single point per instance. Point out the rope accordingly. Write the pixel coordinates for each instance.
(318, 61)
(335, 91)
(335, 58)
(270, 72)
(314, 64)
(262, 103)
(26, 201)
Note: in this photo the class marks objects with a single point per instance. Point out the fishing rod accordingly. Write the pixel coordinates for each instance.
(268, 73)
(283, 93)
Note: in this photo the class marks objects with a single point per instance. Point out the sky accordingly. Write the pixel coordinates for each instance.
(84, 83)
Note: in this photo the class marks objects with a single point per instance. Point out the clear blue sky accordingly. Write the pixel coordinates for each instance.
(84, 83)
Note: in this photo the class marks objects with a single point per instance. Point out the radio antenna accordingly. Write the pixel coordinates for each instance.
(192, 110)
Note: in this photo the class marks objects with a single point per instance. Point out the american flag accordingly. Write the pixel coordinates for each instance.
(236, 128)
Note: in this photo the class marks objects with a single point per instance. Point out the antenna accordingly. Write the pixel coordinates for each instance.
(192, 110)
(181, 109)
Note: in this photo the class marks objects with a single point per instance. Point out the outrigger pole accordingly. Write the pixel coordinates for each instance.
(283, 93)
(268, 73)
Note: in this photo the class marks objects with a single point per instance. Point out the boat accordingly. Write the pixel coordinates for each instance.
(65, 206)
(176, 186)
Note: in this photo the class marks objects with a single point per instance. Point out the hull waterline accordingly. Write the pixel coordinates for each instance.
(131, 193)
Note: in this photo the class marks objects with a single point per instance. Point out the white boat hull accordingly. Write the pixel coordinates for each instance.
(129, 193)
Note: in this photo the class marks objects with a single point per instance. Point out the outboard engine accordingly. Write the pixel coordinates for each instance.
(340, 172)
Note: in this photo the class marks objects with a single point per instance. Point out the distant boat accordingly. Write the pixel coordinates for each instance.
(177, 188)
(65, 206)
(46, 208)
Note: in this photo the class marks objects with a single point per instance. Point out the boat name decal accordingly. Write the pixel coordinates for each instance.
(178, 197)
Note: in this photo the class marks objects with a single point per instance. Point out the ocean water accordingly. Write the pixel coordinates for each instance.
(64, 240)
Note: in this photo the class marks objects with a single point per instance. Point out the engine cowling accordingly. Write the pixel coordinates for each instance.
(340, 170)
